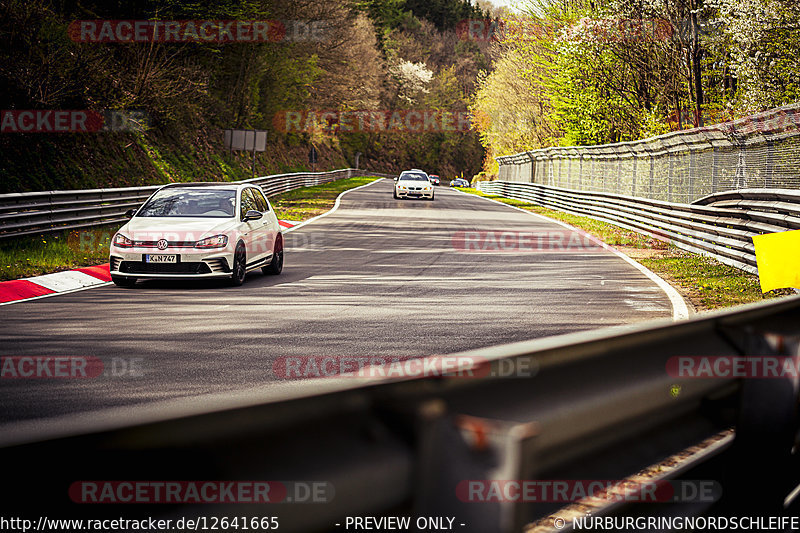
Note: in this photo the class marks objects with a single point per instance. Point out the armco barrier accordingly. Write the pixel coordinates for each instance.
(601, 405)
(31, 213)
(757, 151)
(720, 225)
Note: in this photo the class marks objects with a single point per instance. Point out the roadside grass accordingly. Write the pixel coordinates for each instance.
(704, 281)
(301, 204)
(33, 256)
(43, 254)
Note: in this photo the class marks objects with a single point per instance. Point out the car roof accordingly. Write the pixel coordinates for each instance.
(220, 184)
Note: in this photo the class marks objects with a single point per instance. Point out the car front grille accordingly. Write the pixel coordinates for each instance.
(114, 263)
(140, 267)
(170, 244)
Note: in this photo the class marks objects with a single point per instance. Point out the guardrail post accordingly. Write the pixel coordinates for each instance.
(766, 431)
(461, 459)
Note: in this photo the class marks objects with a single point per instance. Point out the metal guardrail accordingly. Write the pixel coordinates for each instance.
(32, 213)
(757, 151)
(720, 225)
(601, 405)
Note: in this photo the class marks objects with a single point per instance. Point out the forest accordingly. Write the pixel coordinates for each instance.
(444, 85)
(588, 72)
(390, 58)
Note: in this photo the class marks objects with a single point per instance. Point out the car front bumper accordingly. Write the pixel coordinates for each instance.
(131, 263)
(414, 194)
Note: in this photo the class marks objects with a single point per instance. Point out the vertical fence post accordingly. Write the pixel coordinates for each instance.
(769, 171)
(715, 169)
(669, 176)
(692, 164)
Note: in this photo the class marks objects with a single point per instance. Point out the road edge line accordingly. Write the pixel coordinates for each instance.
(335, 206)
(679, 308)
(107, 283)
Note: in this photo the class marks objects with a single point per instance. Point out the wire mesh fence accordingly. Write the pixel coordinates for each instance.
(759, 151)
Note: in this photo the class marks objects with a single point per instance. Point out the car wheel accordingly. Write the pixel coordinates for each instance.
(239, 266)
(432, 197)
(394, 195)
(122, 281)
(275, 266)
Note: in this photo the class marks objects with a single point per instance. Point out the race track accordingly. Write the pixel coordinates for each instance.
(378, 277)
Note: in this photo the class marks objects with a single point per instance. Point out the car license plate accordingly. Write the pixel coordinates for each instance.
(160, 258)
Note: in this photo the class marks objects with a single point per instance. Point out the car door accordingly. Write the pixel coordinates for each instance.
(269, 227)
(252, 229)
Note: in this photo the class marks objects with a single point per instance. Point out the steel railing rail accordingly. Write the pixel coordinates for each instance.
(592, 405)
(720, 225)
(32, 213)
(759, 150)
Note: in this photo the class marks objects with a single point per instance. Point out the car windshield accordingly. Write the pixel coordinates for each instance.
(199, 203)
(413, 177)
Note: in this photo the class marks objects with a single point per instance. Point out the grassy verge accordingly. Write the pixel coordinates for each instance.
(34, 256)
(705, 282)
(302, 204)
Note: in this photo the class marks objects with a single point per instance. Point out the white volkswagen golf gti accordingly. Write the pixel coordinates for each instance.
(198, 230)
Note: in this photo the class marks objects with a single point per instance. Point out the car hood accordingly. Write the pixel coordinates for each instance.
(175, 228)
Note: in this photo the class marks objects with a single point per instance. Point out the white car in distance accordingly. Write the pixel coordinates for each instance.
(198, 230)
(413, 184)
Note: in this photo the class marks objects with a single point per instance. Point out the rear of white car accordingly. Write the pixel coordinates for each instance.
(191, 231)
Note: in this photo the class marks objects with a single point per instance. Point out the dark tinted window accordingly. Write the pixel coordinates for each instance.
(263, 206)
(201, 203)
(248, 202)
(413, 176)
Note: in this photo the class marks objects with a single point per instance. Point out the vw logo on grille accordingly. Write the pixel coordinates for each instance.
(162, 244)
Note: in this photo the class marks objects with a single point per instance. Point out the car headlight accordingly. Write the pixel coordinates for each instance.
(122, 241)
(217, 241)
(402, 187)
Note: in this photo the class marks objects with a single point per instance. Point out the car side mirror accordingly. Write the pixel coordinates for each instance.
(396, 178)
(252, 215)
(130, 212)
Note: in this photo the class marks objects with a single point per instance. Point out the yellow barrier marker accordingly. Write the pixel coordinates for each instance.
(778, 258)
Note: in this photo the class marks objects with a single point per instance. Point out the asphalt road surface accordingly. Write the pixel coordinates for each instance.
(379, 277)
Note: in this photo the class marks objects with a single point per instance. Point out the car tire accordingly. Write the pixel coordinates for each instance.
(394, 195)
(122, 281)
(239, 269)
(431, 198)
(275, 267)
